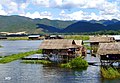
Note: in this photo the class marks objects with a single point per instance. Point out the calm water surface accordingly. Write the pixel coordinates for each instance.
(17, 72)
(13, 47)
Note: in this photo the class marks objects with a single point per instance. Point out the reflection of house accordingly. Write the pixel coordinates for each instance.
(34, 37)
(95, 40)
(109, 52)
(63, 48)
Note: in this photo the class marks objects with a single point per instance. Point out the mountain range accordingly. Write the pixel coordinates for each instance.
(16, 23)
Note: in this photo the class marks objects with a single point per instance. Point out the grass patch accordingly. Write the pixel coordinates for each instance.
(110, 73)
(17, 38)
(37, 61)
(13, 57)
(77, 37)
(77, 63)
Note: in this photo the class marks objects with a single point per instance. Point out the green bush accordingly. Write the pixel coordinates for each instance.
(109, 73)
(67, 65)
(76, 64)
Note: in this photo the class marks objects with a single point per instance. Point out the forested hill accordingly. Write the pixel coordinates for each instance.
(91, 27)
(19, 23)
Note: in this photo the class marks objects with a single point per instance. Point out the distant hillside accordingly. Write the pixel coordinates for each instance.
(46, 28)
(19, 23)
(104, 22)
(90, 27)
(16, 23)
(115, 26)
(54, 23)
(83, 27)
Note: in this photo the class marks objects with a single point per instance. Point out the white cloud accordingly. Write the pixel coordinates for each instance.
(2, 12)
(105, 9)
(36, 14)
(41, 2)
(12, 7)
(79, 15)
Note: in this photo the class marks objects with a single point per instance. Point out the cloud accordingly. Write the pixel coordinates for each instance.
(2, 12)
(12, 7)
(80, 9)
(37, 14)
(44, 3)
(78, 15)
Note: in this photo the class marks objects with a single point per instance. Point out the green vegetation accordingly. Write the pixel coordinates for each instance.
(77, 37)
(88, 47)
(110, 73)
(0, 46)
(16, 23)
(17, 38)
(77, 63)
(46, 62)
(2, 56)
(103, 32)
(13, 57)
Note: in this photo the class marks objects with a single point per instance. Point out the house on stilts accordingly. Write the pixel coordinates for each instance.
(109, 53)
(96, 40)
(62, 49)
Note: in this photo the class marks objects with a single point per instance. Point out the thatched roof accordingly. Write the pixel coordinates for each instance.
(109, 48)
(101, 39)
(60, 44)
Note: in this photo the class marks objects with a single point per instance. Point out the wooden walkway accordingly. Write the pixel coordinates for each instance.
(35, 57)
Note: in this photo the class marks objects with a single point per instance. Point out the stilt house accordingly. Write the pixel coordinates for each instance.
(109, 52)
(96, 40)
(63, 48)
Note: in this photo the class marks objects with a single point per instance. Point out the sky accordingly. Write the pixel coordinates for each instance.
(62, 9)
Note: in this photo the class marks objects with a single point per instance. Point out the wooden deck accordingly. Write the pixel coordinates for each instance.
(35, 57)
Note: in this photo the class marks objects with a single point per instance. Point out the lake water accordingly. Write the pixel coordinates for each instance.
(17, 72)
(13, 47)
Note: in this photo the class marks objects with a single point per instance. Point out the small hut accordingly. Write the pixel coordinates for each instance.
(109, 52)
(117, 37)
(34, 37)
(95, 40)
(54, 37)
(63, 48)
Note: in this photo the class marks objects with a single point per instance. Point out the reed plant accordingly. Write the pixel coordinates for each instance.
(110, 73)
